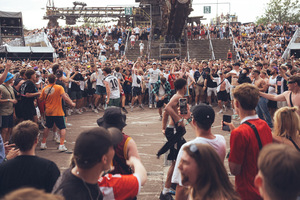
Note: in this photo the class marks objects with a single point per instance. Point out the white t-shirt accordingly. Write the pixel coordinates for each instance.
(154, 74)
(132, 38)
(141, 46)
(100, 78)
(137, 30)
(116, 46)
(113, 86)
(219, 144)
(271, 89)
(134, 80)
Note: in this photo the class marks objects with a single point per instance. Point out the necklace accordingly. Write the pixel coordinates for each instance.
(85, 185)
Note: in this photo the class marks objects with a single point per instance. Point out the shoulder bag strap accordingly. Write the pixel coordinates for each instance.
(292, 105)
(8, 91)
(294, 143)
(48, 92)
(256, 133)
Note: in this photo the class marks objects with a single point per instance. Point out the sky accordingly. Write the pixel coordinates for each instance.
(34, 10)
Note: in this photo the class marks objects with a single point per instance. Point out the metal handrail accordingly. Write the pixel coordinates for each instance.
(126, 44)
(211, 46)
(187, 46)
(234, 45)
(287, 51)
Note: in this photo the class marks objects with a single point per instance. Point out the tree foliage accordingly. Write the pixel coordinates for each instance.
(280, 11)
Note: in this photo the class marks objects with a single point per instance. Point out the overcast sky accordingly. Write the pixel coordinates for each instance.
(33, 10)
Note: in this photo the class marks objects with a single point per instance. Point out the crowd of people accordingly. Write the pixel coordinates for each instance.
(262, 89)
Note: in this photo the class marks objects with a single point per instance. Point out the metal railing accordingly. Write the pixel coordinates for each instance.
(211, 46)
(187, 46)
(287, 51)
(238, 57)
(126, 44)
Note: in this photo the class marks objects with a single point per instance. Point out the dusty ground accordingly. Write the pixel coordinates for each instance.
(145, 128)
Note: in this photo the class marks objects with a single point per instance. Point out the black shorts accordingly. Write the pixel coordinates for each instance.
(100, 90)
(136, 91)
(58, 120)
(272, 104)
(169, 132)
(161, 103)
(7, 121)
(76, 95)
(91, 91)
(222, 95)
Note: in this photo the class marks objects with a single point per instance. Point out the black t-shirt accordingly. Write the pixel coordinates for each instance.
(77, 77)
(28, 171)
(28, 108)
(72, 188)
(210, 82)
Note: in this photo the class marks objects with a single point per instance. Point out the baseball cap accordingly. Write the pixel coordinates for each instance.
(112, 117)
(8, 77)
(154, 63)
(92, 144)
(203, 114)
(276, 68)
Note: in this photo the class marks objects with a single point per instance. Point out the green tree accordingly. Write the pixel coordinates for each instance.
(280, 11)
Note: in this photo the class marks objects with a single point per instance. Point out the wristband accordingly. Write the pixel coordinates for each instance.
(8, 100)
(179, 121)
(188, 120)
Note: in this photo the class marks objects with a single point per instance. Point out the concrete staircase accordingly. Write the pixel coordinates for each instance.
(221, 48)
(199, 49)
(134, 53)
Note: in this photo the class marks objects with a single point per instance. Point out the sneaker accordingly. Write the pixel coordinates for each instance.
(95, 110)
(160, 118)
(69, 112)
(225, 108)
(62, 148)
(131, 108)
(43, 146)
(167, 196)
(55, 136)
(78, 112)
(150, 106)
(124, 110)
(155, 105)
(141, 106)
(221, 111)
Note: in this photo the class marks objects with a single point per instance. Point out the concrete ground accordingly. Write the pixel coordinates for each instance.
(145, 128)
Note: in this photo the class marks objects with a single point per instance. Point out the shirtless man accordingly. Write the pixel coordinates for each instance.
(262, 106)
(234, 74)
(292, 96)
(175, 121)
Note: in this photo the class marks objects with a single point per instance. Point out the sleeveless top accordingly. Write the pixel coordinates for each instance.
(119, 161)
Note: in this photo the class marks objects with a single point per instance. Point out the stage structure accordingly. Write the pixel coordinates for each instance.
(11, 27)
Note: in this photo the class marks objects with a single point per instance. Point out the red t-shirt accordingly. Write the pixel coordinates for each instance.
(119, 187)
(244, 151)
(171, 79)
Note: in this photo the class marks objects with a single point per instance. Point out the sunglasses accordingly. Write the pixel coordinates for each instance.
(290, 82)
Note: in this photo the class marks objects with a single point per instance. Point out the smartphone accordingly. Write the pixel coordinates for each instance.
(226, 118)
(183, 106)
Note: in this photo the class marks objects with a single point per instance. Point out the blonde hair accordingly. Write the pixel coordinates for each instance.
(287, 122)
(31, 194)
